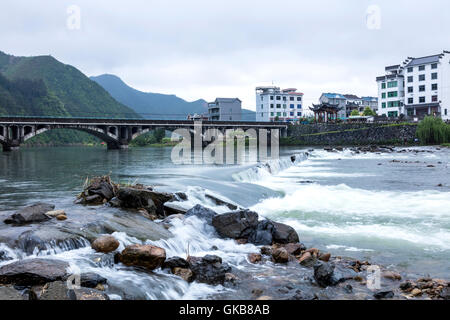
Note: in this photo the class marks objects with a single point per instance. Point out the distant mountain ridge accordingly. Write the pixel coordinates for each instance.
(43, 86)
(150, 105)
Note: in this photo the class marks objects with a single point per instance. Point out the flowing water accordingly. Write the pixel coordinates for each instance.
(359, 205)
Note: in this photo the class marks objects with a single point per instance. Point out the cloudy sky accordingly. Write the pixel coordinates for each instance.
(207, 49)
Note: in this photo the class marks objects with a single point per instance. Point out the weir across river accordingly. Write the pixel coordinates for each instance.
(116, 133)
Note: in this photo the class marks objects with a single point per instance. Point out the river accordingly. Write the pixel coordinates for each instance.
(359, 205)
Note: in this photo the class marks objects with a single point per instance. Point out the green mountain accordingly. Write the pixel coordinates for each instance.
(43, 86)
(150, 105)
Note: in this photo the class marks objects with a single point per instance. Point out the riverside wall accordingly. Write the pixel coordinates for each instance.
(350, 134)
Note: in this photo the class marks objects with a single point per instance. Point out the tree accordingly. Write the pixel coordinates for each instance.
(368, 112)
(354, 113)
(433, 130)
(159, 135)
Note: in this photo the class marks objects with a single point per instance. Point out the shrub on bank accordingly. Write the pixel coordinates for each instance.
(433, 130)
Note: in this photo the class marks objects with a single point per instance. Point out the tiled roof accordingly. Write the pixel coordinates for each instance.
(351, 96)
(424, 60)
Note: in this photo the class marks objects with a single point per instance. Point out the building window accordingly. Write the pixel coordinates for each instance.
(271, 114)
(262, 106)
(434, 98)
(278, 114)
(262, 115)
(299, 98)
(410, 69)
(291, 98)
(292, 106)
(383, 85)
(383, 95)
(410, 89)
(292, 114)
(434, 76)
(284, 98)
(434, 86)
(422, 100)
(410, 100)
(434, 66)
(284, 106)
(271, 97)
(278, 98)
(299, 114)
(392, 114)
(383, 105)
(392, 94)
(410, 79)
(299, 106)
(271, 106)
(421, 77)
(392, 84)
(278, 106)
(421, 68)
(445, 111)
(421, 88)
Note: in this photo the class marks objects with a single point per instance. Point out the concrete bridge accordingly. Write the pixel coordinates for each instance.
(116, 133)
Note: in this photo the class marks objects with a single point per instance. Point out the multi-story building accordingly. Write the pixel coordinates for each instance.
(274, 104)
(354, 102)
(336, 99)
(416, 88)
(225, 109)
(371, 102)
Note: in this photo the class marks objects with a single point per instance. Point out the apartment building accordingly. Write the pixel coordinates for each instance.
(274, 104)
(335, 99)
(417, 87)
(225, 109)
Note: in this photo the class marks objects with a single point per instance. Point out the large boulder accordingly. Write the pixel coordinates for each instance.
(105, 244)
(34, 213)
(91, 280)
(326, 275)
(236, 225)
(102, 188)
(262, 235)
(201, 212)
(9, 293)
(175, 262)
(209, 269)
(137, 198)
(146, 256)
(33, 271)
(283, 233)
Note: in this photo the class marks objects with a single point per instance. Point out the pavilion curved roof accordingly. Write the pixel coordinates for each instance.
(326, 107)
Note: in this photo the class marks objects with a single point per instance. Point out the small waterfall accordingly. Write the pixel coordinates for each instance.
(267, 169)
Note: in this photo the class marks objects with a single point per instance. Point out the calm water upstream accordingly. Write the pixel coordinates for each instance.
(358, 205)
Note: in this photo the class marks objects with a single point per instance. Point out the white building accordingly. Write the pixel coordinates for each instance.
(416, 88)
(273, 104)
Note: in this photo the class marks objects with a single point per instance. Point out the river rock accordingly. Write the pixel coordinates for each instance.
(254, 257)
(383, 295)
(283, 233)
(171, 208)
(280, 255)
(262, 235)
(152, 201)
(33, 271)
(324, 257)
(101, 187)
(185, 273)
(201, 212)
(294, 248)
(219, 202)
(34, 213)
(236, 225)
(146, 256)
(105, 244)
(324, 274)
(90, 294)
(175, 262)
(92, 280)
(9, 293)
(58, 291)
(445, 293)
(55, 213)
(307, 260)
(209, 269)
(392, 275)
(61, 217)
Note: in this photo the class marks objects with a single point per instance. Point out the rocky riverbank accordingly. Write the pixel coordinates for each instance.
(286, 268)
